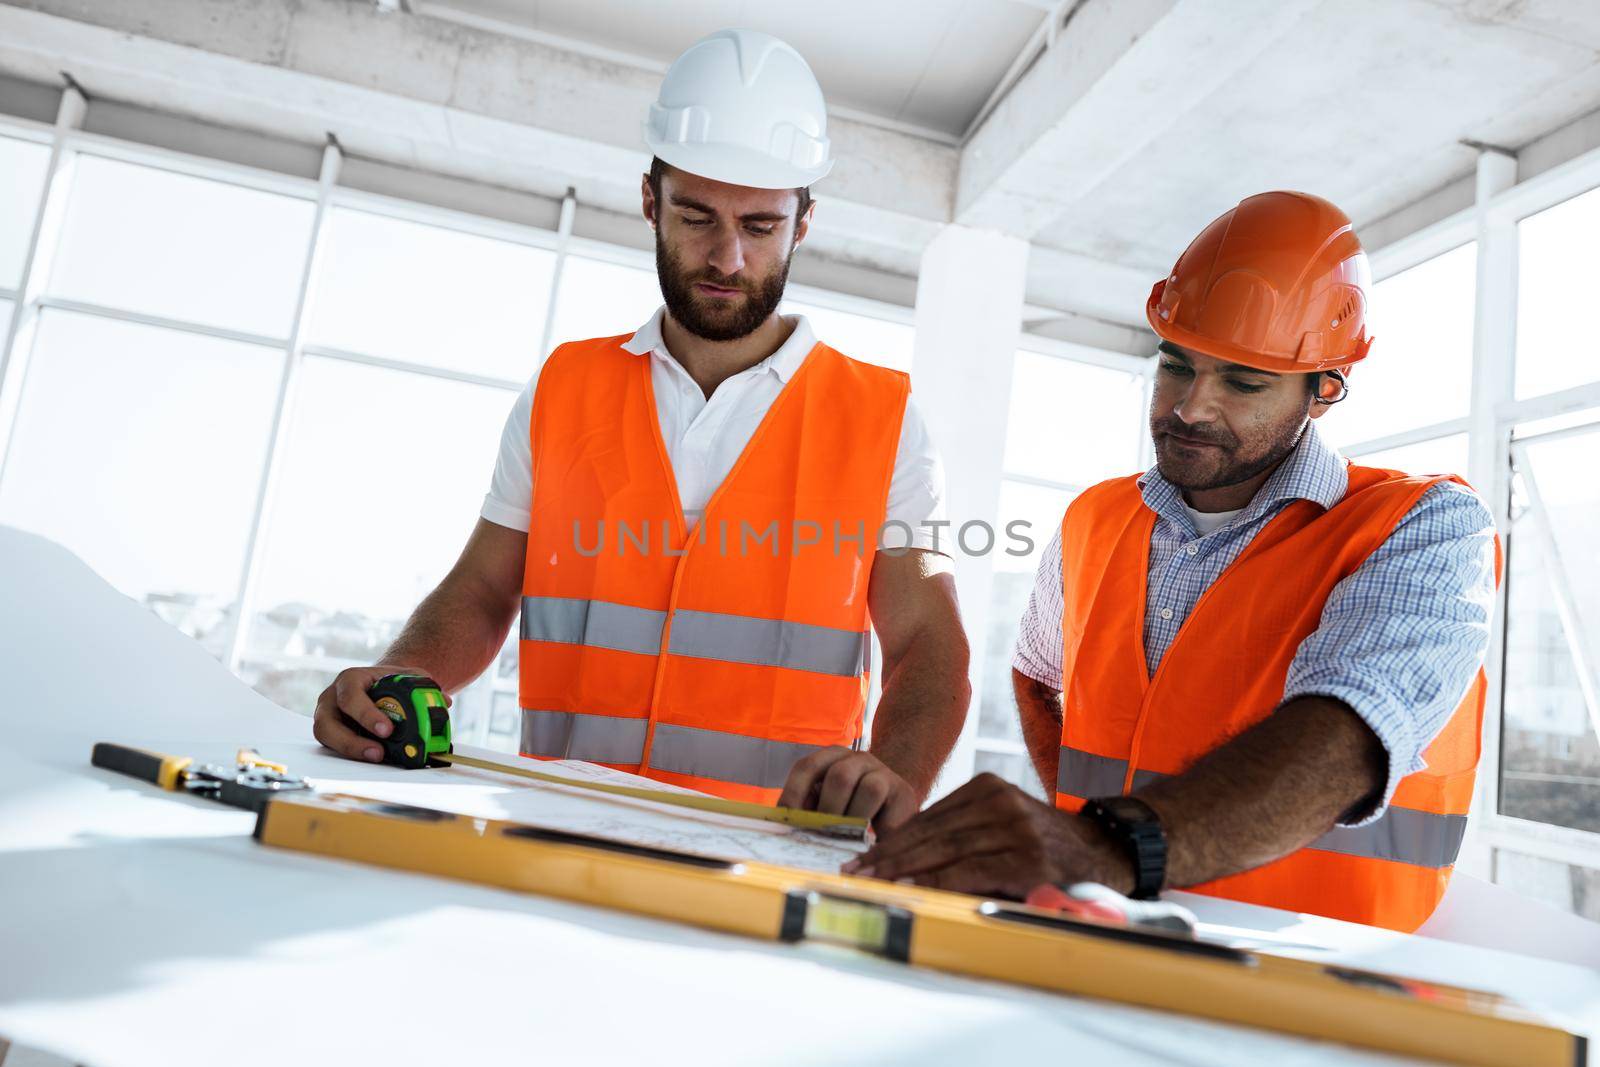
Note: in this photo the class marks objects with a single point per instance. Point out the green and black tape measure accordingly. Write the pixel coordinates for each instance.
(416, 706)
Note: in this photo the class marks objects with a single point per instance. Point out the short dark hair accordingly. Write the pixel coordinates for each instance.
(658, 167)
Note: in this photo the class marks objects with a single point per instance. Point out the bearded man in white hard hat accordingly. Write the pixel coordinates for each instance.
(701, 522)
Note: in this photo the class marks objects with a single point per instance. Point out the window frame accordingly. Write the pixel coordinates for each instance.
(1500, 204)
(1140, 369)
(68, 140)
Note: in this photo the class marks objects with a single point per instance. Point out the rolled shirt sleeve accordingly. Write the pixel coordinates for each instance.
(510, 498)
(1401, 639)
(1038, 652)
(914, 514)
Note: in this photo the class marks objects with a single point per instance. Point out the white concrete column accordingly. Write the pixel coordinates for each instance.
(969, 311)
(1494, 342)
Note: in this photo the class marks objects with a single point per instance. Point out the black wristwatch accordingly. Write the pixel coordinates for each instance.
(1136, 825)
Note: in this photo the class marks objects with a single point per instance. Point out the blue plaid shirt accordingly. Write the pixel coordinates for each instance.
(1400, 639)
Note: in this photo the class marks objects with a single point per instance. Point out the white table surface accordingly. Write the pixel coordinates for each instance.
(138, 926)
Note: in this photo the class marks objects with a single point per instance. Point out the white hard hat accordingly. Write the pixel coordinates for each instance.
(742, 107)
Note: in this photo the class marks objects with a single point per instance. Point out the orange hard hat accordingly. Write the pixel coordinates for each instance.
(1279, 283)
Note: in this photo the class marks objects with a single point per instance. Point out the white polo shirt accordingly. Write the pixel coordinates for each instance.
(704, 437)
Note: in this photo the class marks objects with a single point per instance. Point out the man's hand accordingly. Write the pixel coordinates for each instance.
(991, 838)
(458, 630)
(345, 702)
(842, 781)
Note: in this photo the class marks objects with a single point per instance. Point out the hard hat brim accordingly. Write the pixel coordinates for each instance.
(1286, 363)
(735, 165)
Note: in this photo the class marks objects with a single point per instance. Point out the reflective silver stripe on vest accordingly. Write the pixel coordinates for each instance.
(1403, 835)
(1084, 774)
(768, 642)
(1101, 776)
(701, 634)
(597, 623)
(679, 749)
(725, 757)
(570, 735)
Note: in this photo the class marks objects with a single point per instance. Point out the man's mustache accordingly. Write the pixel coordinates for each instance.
(1210, 435)
(712, 278)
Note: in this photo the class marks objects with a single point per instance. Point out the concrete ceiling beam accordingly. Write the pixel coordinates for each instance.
(1088, 286)
(426, 93)
(1119, 79)
(463, 102)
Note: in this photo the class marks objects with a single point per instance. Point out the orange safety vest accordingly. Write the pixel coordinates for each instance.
(712, 657)
(1225, 671)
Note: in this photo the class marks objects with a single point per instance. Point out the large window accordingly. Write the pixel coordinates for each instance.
(22, 173)
(1037, 509)
(1071, 424)
(159, 243)
(1436, 455)
(382, 478)
(1420, 371)
(1547, 841)
(140, 445)
(138, 448)
(1553, 292)
(1550, 758)
(600, 298)
(147, 436)
(424, 294)
(869, 338)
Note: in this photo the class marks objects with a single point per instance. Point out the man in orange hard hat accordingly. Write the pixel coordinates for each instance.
(1254, 670)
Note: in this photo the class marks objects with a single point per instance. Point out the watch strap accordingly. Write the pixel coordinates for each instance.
(1135, 825)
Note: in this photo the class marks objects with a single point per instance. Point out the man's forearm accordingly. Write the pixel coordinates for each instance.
(454, 634)
(1039, 708)
(924, 703)
(1273, 789)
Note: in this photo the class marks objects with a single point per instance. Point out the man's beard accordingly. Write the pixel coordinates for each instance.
(717, 320)
(1228, 468)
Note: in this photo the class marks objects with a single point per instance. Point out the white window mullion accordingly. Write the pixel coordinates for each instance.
(1404, 438)
(42, 244)
(1548, 405)
(1560, 844)
(569, 211)
(404, 366)
(255, 549)
(1494, 339)
(161, 322)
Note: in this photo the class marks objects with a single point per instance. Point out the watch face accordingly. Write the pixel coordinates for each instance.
(1127, 810)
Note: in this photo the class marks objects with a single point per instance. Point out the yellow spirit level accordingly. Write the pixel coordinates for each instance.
(945, 931)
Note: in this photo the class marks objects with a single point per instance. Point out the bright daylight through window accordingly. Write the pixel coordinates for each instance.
(1071, 424)
(1420, 370)
(408, 313)
(1550, 747)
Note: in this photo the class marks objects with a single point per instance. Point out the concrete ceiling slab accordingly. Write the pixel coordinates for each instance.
(1145, 120)
(928, 63)
(1363, 101)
